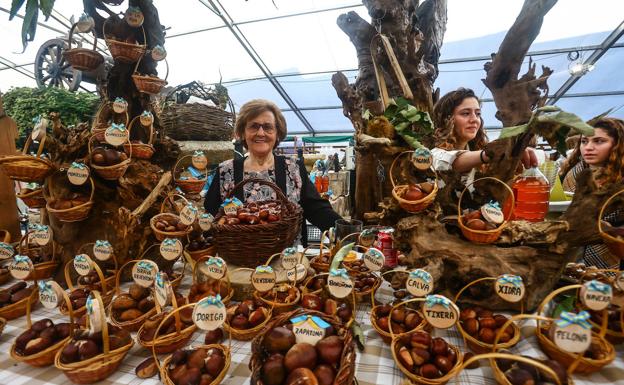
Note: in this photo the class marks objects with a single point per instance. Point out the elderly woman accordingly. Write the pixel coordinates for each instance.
(261, 127)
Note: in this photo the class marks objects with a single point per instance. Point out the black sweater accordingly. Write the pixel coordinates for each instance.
(316, 210)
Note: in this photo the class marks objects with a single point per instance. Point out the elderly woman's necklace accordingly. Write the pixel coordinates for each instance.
(252, 164)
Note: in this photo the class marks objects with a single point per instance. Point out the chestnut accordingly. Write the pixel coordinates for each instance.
(213, 336)
(443, 364)
(214, 363)
(471, 326)
(330, 307)
(439, 346)
(421, 339)
(487, 335)
(485, 314)
(517, 376)
(302, 376)
(500, 320)
(452, 355)
(147, 368)
(273, 370)
(88, 349)
(398, 315)
(429, 371)
(178, 357)
(22, 339)
(311, 301)
(41, 324)
(487, 322)
(325, 374)
(36, 345)
(559, 370)
(70, 353)
(467, 313)
(412, 320)
(344, 312)
(420, 356)
(190, 376)
(383, 310)
(406, 358)
(300, 355)
(473, 365)
(329, 349)
(383, 324)
(240, 322)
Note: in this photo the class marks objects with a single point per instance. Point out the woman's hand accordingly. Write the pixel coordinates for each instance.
(529, 158)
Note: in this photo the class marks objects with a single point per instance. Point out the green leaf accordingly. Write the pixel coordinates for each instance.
(508, 132)
(567, 119)
(46, 7)
(358, 334)
(344, 250)
(367, 114)
(29, 27)
(566, 305)
(15, 7)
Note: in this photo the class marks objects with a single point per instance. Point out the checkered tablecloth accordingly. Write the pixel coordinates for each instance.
(374, 365)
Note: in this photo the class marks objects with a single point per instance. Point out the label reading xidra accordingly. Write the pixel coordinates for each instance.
(144, 272)
(6, 250)
(290, 258)
(188, 214)
(102, 250)
(199, 161)
(374, 259)
(509, 287)
(42, 234)
(308, 329)
(596, 295)
(214, 267)
(263, 278)
(297, 274)
(21, 267)
(83, 264)
(162, 289)
(209, 313)
(116, 134)
(419, 283)
(78, 173)
(422, 159)
(339, 283)
(572, 332)
(440, 312)
(171, 248)
(492, 213)
(94, 310)
(205, 221)
(50, 294)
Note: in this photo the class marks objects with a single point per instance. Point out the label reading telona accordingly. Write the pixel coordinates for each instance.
(419, 283)
(171, 248)
(20, 267)
(263, 278)
(440, 311)
(209, 313)
(144, 272)
(83, 264)
(510, 287)
(596, 295)
(339, 283)
(572, 332)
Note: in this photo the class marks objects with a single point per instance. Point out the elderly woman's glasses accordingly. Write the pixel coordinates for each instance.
(255, 127)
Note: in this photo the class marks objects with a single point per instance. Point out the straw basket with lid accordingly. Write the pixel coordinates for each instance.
(122, 51)
(40, 270)
(189, 183)
(485, 236)
(168, 225)
(46, 356)
(604, 352)
(115, 345)
(140, 150)
(83, 59)
(25, 167)
(402, 192)
(76, 212)
(612, 237)
(32, 195)
(244, 245)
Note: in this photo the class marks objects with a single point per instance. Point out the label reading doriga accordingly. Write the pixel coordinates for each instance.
(209, 313)
(510, 287)
(596, 295)
(263, 278)
(419, 283)
(440, 311)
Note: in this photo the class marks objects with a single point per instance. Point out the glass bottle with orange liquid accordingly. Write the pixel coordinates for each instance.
(532, 194)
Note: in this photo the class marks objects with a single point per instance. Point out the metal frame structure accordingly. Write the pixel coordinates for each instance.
(217, 7)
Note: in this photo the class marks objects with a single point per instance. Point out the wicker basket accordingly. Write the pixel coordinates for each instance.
(484, 236)
(107, 288)
(33, 199)
(83, 59)
(245, 245)
(164, 368)
(226, 279)
(317, 264)
(25, 167)
(346, 372)
(76, 213)
(279, 307)
(195, 121)
(140, 150)
(613, 336)
(197, 254)
(416, 206)
(102, 119)
(99, 367)
(192, 186)
(46, 356)
(41, 270)
(160, 234)
(615, 245)
(251, 333)
(149, 84)
(124, 52)
(113, 172)
(19, 308)
(132, 325)
(575, 363)
(168, 342)
(476, 345)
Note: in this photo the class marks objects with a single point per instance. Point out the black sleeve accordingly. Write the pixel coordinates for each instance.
(316, 210)
(212, 202)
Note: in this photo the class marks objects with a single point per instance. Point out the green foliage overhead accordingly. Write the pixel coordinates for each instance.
(24, 104)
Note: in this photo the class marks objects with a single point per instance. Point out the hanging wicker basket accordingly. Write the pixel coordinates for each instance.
(42, 270)
(149, 84)
(124, 52)
(102, 119)
(161, 234)
(83, 59)
(76, 213)
(615, 244)
(189, 186)
(27, 168)
(113, 172)
(411, 206)
(33, 199)
(140, 150)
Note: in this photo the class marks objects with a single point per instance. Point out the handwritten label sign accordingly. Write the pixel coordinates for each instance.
(120, 105)
(94, 311)
(159, 53)
(6, 250)
(83, 264)
(21, 267)
(134, 17)
(78, 173)
(39, 130)
(263, 278)
(290, 258)
(619, 281)
(214, 267)
(50, 294)
(144, 272)
(374, 259)
(171, 248)
(205, 221)
(102, 250)
(572, 332)
(146, 118)
(42, 234)
(367, 237)
(188, 214)
(209, 313)
(199, 160)
(116, 134)
(419, 283)
(308, 328)
(297, 274)
(231, 205)
(162, 289)
(492, 213)
(422, 159)
(596, 295)
(339, 283)
(440, 311)
(510, 287)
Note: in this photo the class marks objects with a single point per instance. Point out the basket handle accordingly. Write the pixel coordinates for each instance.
(106, 344)
(67, 303)
(170, 198)
(483, 279)
(174, 312)
(175, 166)
(104, 31)
(511, 195)
(604, 206)
(150, 128)
(71, 32)
(81, 250)
(394, 162)
(118, 275)
(395, 306)
(278, 191)
(394, 64)
(174, 305)
(50, 184)
(381, 276)
(68, 280)
(226, 275)
(6, 235)
(493, 356)
(29, 141)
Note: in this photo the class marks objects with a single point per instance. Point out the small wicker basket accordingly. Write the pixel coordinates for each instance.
(106, 284)
(226, 279)
(160, 234)
(19, 308)
(33, 199)
(615, 245)
(113, 172)
(41, 270)
(122, 51)
(83, 59)
(103, 117)
(398, 191)
(76, 213)
(189, 186)
(140, 150)
(134, 324)
(151, 85)
(25, 167)
(169, 342)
